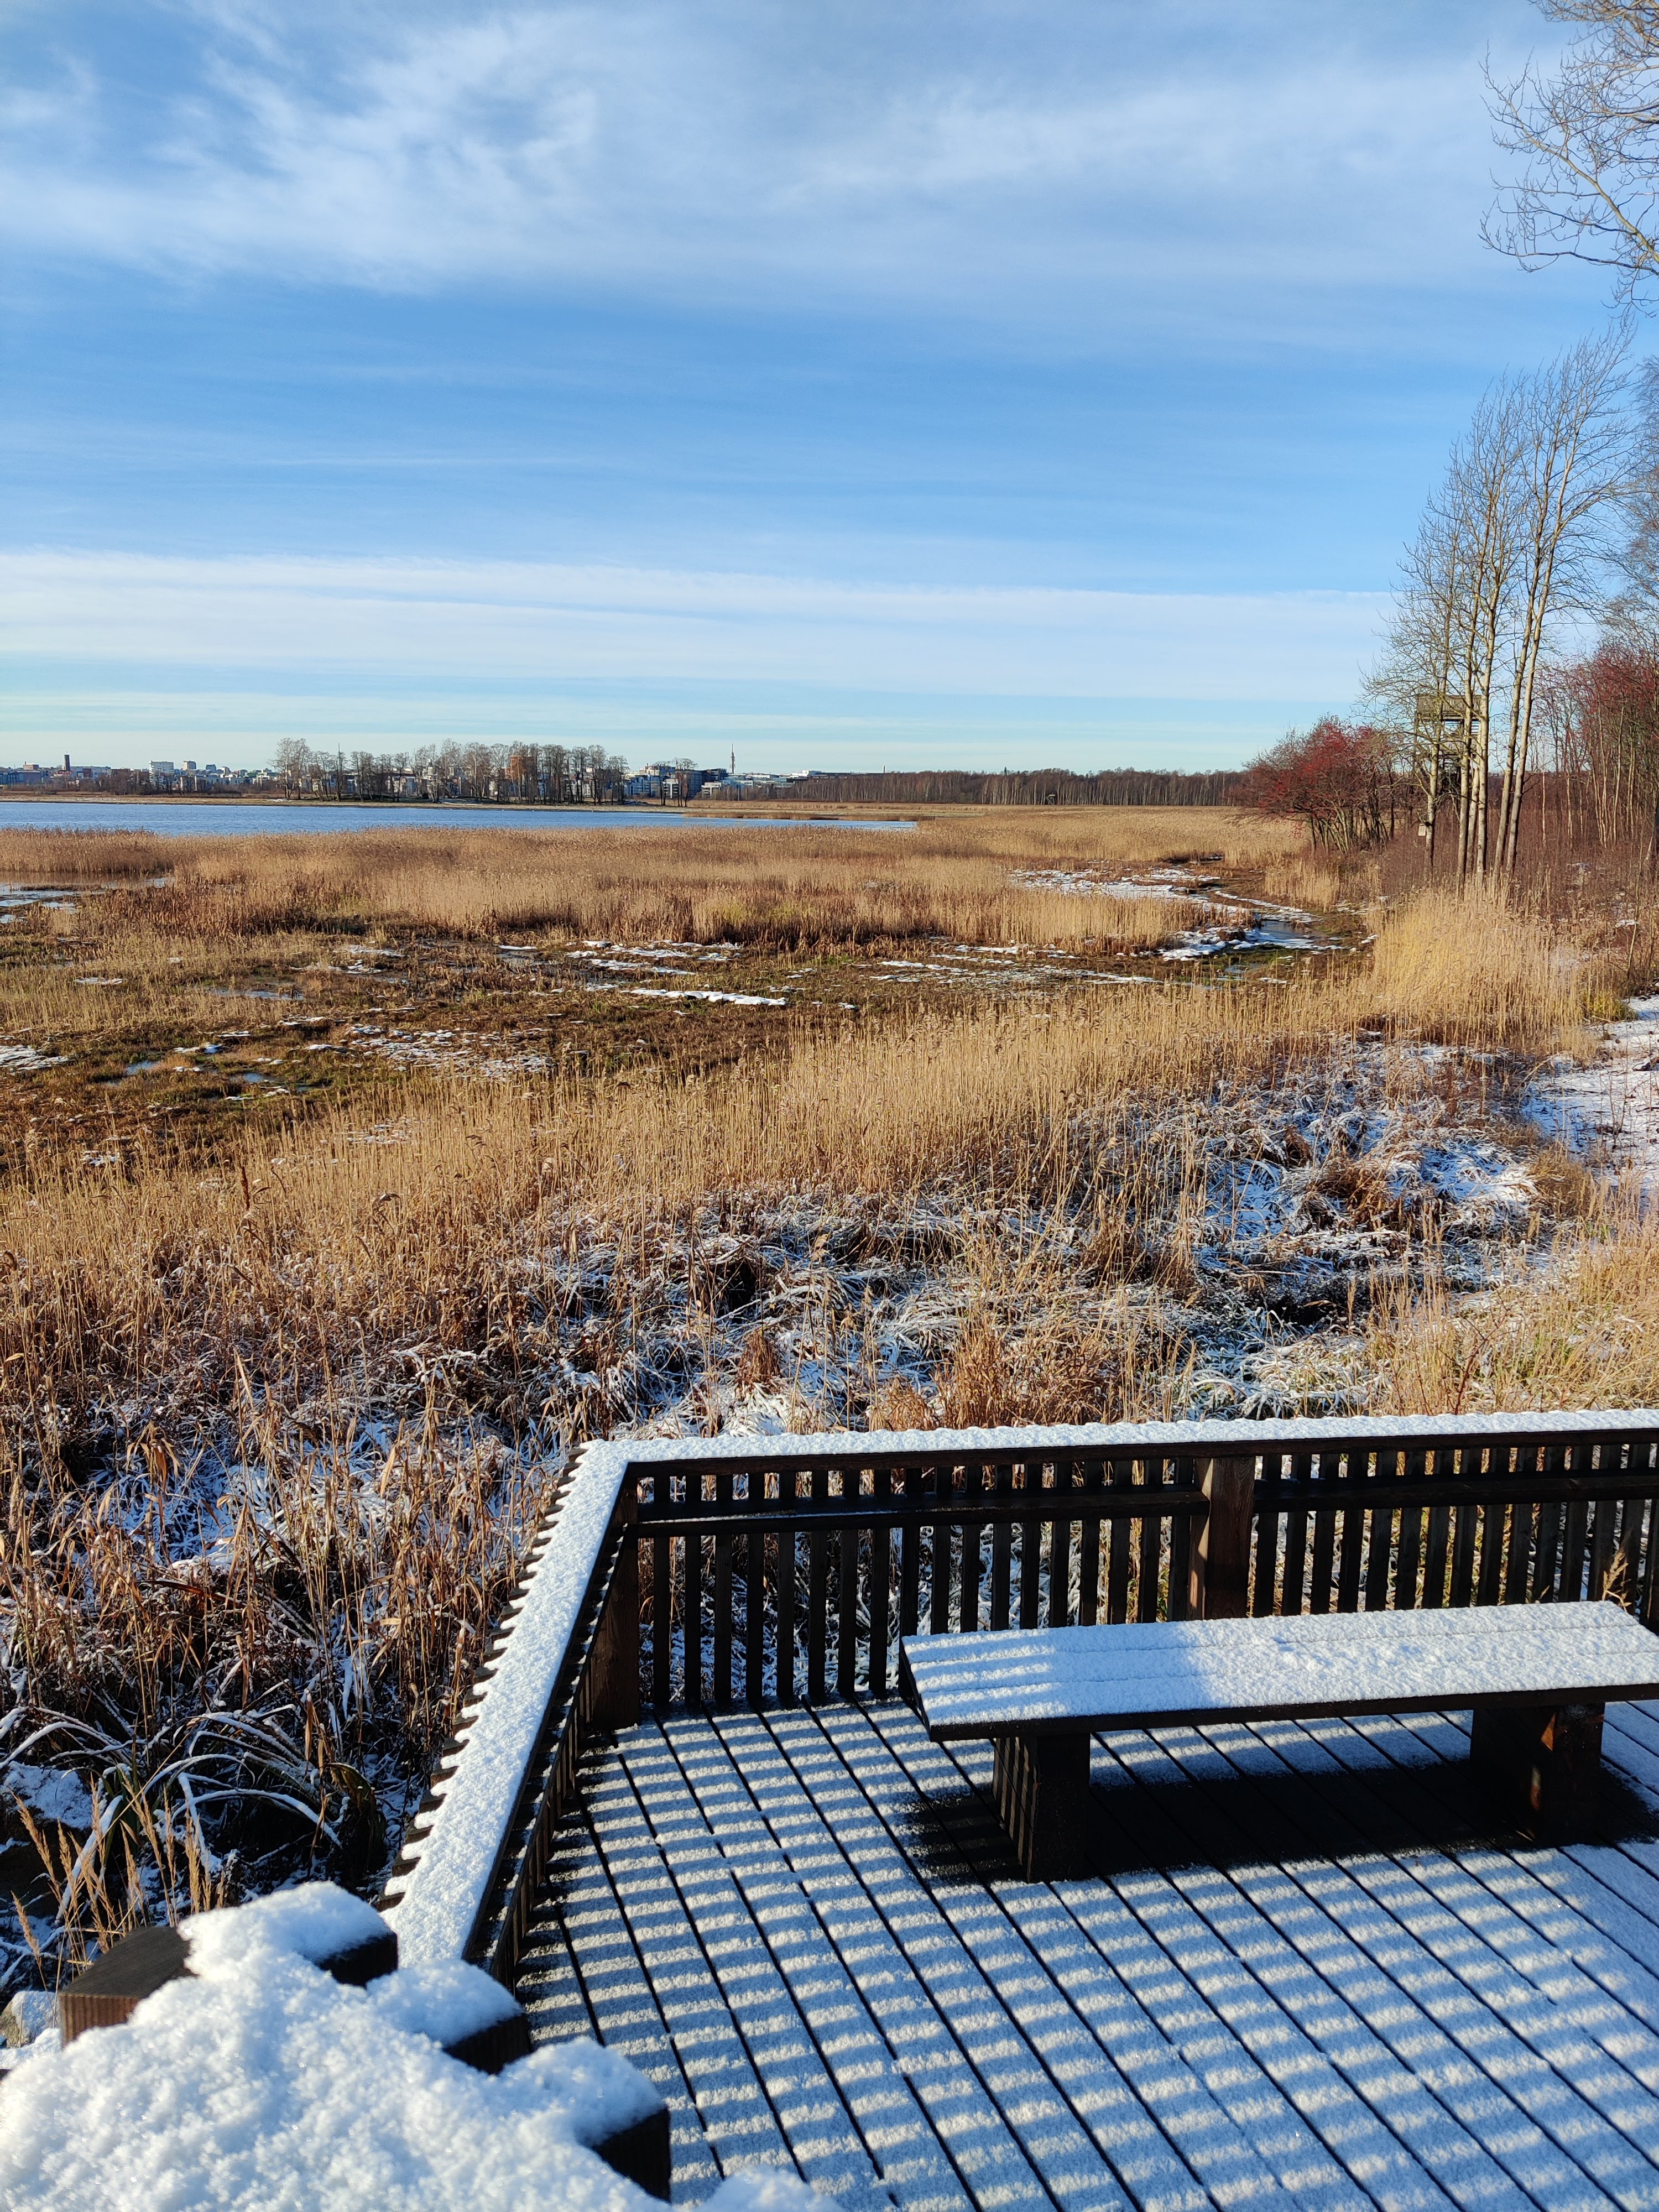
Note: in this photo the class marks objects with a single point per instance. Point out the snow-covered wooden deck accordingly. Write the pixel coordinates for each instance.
(1308, 1970)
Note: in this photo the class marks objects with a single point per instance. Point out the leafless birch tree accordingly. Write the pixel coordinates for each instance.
(1586, 139)
(1508, 540)
(1570, 466)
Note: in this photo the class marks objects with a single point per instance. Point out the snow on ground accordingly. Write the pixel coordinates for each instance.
(1088, 882)
(25, 1058)
(450, 1050)
(1609, 1112)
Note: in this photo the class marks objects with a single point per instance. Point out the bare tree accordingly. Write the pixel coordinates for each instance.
(1588, 143)
(1571, 465)
(295, 764)
(1511, 538)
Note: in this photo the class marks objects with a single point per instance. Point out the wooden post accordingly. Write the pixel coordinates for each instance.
(613, 1676)
(1543, 1763)
(1040, 1783)
(1219, 1584)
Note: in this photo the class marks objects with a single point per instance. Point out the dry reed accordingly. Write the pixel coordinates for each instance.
(794, 890)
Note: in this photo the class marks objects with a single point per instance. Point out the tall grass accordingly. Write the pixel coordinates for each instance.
(1468, 969)
(794, 889)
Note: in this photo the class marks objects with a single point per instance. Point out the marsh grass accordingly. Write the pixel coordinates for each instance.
(785, 889)
(274, 1426)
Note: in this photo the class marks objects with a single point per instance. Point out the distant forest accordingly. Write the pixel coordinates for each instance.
(1039, 786)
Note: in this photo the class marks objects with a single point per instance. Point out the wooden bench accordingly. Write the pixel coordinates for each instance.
(1535, 1677)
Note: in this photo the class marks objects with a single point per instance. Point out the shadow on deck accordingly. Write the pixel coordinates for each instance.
(1309, 1968)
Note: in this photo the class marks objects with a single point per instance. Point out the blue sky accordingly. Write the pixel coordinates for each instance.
(838, 382)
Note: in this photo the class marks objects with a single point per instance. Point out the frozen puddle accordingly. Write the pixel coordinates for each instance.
(1609, 1110)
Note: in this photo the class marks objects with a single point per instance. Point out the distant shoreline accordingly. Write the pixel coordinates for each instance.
(30, 796)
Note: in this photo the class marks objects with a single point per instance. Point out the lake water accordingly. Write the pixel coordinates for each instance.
(276, 818)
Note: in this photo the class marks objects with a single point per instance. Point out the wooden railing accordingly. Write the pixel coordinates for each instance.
(792, 1571)
(708, 1572)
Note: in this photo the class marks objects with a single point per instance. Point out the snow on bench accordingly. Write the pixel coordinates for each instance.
(1535, 1677)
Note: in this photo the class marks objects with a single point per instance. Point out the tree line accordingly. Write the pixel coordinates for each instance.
(554, 774)
(1039, 786)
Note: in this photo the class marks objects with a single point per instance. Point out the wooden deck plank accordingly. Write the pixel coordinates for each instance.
(1306, 1974)
(982, 2149)
(1374, 2158)
(1466, 1928)
(1447, 2142)
(1316, 1908)
(737, 2116)
(904, 2148)
(778, 2043)
(1122, 2117)
(1066, 2160)
(583, 1938)
(1282, 2139)
(1484, 1891)
(1492, 2014)
(1599, 1901)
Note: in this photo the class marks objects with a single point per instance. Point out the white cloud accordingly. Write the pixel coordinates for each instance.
(456, 624)
(987, 154)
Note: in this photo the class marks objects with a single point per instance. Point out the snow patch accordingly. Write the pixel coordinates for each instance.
(1609, 1112)
(261, 2082)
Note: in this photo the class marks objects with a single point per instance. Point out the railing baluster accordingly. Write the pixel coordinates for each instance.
(1296, 1537)
(1379, 1554)
(972, 1531)
(1573, 1547)
(909, 1560)
(818, 1592)
(693, 1638)
(881, 1569)
(1180, 1526)
(1410, 1543)
(788, 1566)
(1122, 1544)
(723, 1593)
(942, 1480)
(1324, 1566)
(754, 1580)
(1353, 1531)
(1002, 1539)
(1493, 1519)
(662, 1619)
(1149, 1549)
(1437, 1551)
(1602, 1530)
(847, 1640)
(1088, 1565)
(1264, 1581)
(1060, 1551)
(1546, 1563)
(1464, 1519)
(1517, 1564)
(1030, 1551)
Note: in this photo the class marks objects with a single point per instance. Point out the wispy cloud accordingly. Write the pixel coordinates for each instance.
(985, 155)
(522, 621)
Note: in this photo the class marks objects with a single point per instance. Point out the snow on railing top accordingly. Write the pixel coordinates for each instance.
(440, 1897)
(438, 1902)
